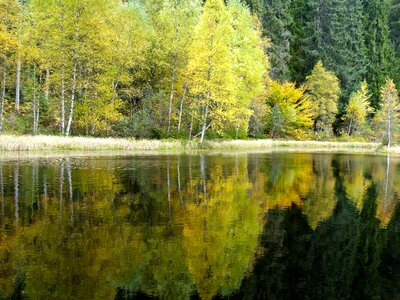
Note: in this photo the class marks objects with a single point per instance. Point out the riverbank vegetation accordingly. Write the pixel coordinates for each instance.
(188, 70)
(9, 143)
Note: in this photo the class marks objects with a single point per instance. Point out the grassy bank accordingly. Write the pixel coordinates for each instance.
(10, 143)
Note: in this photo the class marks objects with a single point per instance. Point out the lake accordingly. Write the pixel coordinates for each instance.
(201, 226)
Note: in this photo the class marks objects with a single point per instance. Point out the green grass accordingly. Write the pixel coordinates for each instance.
(9, 143)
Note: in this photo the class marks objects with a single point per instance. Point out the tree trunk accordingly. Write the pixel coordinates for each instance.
(389, 127)
(116, 81)
(75, 59)
(203, 131)
(18, 85)
(181, 107)
(191, 127)
(349, 130)
(3, 97)
(351, 123)
(171, 96)
(62, 95)
(71, 109)
(35, 104)
(47, 87)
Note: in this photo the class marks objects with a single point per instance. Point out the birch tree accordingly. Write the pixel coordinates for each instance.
(8, 42)
(249, 61)
(178, 19)
(357, 110)
(210, 66)
(389, 113)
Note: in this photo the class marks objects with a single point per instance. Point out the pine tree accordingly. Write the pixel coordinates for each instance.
(256, 7)
(301, 61)
(335, 35)
(394, 26)
(277, 21)
(394, 23)
(379, 48)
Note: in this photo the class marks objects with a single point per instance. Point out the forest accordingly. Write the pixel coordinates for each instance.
(188, 69)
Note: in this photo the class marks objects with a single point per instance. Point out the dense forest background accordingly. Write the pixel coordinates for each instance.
(302, 69)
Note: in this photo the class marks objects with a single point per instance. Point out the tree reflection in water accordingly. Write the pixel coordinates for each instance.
(246, 226)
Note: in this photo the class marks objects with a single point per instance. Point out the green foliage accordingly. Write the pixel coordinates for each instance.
(322, 86)
(379, 49)
(291, 114)
(387, 119)
(183, 68)
(277, 21)
(357, 111)
(226, 66)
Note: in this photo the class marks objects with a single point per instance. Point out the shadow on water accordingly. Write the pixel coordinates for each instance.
(276, 226)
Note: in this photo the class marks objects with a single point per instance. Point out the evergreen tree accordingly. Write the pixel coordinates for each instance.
(335, 36)
(379, 48)
(301, 61)
(256, 7)
(277, 21)
(394, 26)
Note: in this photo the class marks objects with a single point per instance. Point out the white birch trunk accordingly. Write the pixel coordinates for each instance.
(18, 85)
(171, 96)
(3, 97)
(204, 128)
(72, 102)
(181, 107)
(389, 126)
(191, 128)
(47, 87)
(62, 95)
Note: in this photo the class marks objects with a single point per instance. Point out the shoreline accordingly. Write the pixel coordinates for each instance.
(41, 143)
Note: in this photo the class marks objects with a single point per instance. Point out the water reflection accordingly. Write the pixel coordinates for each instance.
(253, 226)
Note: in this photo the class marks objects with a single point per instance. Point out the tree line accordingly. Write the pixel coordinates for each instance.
(303, 69)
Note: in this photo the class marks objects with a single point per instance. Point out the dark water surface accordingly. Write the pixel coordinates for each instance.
(239, 226)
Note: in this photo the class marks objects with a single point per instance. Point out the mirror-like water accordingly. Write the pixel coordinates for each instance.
(243, 226)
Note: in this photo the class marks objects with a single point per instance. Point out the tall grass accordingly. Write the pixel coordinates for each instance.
(43, 143)
(52, 143)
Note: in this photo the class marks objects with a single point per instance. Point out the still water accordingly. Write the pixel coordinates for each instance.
(238, 226)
